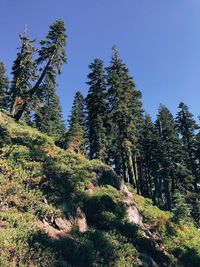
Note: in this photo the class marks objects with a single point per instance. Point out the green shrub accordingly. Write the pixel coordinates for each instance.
(104, 207)
(4, 136)
(98, 248)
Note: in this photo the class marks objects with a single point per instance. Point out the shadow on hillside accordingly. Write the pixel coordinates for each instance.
(89, 249)
(190, 257)
(62, 250)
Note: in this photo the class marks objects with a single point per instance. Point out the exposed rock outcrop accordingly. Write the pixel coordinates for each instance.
(106, 176)
(72, 217)
(132, 212)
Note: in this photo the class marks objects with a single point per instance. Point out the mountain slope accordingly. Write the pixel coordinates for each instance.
(59, 209)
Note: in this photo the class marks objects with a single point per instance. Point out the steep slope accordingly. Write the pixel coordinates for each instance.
(59, 209)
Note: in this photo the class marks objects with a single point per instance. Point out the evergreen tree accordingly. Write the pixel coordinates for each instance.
(186, 126)
(76, 133)
(162, 167)
(51, 57)
(125, 115)
(24, 74)
(3, 87)
(197, 156)
(149, 159)
(96, 105)
(170, 154)
(48, 117)
(181, 210)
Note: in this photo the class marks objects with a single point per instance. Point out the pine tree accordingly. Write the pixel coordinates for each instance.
(197, 157)
(97, 107)
(48, 116)
(3, 87)
(51, 57)
(170, 154)
(125, 116)
(149, 159)
(187, 126)
(161, 161)
(24, 74)
(181, 210)
(76, 133)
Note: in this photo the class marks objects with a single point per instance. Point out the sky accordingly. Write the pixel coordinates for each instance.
(158, 40)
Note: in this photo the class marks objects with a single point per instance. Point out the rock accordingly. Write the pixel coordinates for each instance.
(74, 216)
(45, 200)
(51, 230)
(80, 221)
(127, 194)
(134, 215)
(106, 176)
(132, 212)
(63, 224)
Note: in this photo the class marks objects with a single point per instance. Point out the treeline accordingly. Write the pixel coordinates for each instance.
(160, 159)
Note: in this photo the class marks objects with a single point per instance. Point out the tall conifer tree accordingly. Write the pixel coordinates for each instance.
(149, 159)
(24, 74)
(197, 155)
(76, 133)
(3, 87)
(48, 117)
(181, 210)
(97, 111)
(187, 126)
(51, 57)
(125, 115)
(170, 154)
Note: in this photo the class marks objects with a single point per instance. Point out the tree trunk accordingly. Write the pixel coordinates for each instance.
(136, 173)
(131, 170)
(33, 90)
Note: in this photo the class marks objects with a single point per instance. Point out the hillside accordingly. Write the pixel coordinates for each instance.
(59, 209)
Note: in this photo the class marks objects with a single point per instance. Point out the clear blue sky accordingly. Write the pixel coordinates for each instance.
(158, 40)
